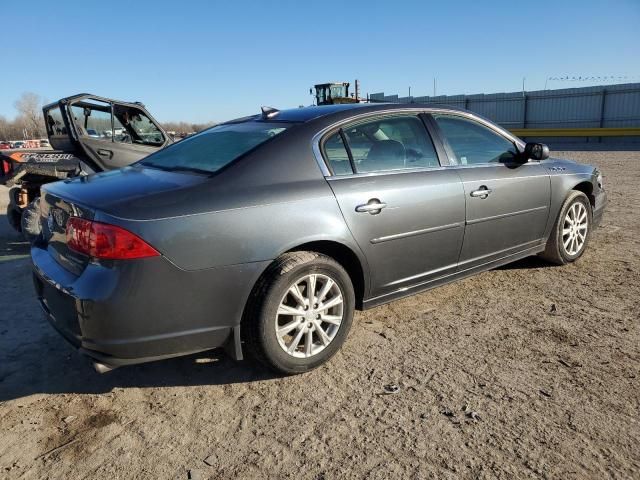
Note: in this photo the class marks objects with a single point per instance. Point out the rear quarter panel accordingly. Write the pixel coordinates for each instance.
(267, 203)
(293, 215)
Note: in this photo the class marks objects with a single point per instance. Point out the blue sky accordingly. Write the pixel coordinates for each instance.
(213, 60)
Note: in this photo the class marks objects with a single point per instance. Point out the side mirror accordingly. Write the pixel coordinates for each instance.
(536, 151)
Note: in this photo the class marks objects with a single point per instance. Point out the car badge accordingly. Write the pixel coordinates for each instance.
(58, 216)
(50, 221)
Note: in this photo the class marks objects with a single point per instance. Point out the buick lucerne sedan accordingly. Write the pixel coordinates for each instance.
(264, 234)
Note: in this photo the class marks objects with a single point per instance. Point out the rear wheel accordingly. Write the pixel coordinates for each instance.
(300, 313)
(571, 231)
(14, 212)
(13, 216)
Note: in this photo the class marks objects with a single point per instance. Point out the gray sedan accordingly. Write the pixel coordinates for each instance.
(264, 234)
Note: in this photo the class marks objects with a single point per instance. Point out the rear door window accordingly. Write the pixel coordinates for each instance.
(393, 143)
(337, 156)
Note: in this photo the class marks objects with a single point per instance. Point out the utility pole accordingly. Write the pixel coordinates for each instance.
(523, 79)
(434, 86)
(409, 90)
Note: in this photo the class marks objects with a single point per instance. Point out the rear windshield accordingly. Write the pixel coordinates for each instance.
(209, 151)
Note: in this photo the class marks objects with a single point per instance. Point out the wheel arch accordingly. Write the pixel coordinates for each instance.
(346, 257)
(340, 252)
(586, 187)
(561, 187)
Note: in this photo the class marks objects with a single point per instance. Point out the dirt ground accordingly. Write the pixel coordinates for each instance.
(548, 358)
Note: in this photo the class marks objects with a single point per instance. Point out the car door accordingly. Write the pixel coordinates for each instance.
(404, 209)
(507, 201)
(135, 136)
(92, 122)
(105, 139)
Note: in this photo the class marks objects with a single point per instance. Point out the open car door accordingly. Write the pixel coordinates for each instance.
(115, 134)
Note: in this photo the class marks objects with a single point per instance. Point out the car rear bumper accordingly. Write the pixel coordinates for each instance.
(143, 310)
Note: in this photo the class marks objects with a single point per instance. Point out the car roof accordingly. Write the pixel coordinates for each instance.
(306, 114)
(320, 117)
(79, 96)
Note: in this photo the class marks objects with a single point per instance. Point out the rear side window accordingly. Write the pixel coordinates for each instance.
(384, 144)
(210, 150)
(473, 143)
(337, 155)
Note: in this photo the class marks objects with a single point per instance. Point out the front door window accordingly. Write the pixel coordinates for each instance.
(137, 127)
(473, 143)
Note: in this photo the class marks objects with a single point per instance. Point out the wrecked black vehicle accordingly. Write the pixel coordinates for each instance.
(88, 134)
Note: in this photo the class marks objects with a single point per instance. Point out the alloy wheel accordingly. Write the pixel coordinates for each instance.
(574, 229)
(309, 315)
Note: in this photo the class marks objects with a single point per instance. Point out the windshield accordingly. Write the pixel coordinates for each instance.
(209, 151)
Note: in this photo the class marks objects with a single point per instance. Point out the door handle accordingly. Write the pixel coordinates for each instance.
(373, 206)
(105, 153)
(483, 192)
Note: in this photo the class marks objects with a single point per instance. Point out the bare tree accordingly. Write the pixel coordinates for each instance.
(29, 107)
(5, 128)
(184, 127)
(11, 130)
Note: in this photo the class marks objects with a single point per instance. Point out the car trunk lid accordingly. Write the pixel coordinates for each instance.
(134, 193)
(55, 212)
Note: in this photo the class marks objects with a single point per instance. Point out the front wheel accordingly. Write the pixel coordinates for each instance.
(571, 231)
(300, 312)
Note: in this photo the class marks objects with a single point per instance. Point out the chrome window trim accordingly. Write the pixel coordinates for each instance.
(397, 171)
(318, 137)
(492, 164)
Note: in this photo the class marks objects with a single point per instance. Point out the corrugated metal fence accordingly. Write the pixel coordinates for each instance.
(610, 106)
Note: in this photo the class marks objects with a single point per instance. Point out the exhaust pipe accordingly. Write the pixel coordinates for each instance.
(102, 368)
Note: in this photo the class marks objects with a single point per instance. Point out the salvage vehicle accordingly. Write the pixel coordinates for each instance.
(267, 232)
(72, 125)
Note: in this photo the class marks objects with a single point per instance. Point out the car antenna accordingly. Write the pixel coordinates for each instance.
(269, 112)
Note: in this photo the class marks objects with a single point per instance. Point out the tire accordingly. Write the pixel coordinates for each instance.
(30, 221)
(556, 251)
(272, 296)
(14, 214)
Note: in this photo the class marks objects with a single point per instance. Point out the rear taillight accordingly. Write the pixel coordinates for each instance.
(78, 234)
(101, 240)
(6, 167)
